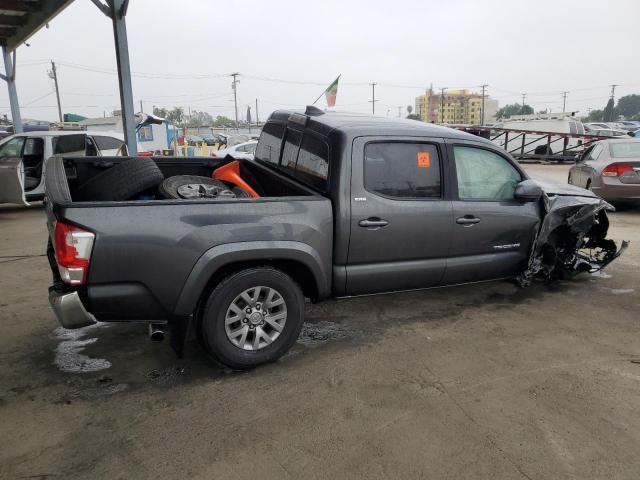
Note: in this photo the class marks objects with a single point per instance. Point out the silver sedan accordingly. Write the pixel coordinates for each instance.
(610, 168)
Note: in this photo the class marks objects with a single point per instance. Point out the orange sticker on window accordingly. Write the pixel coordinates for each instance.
(423, 160)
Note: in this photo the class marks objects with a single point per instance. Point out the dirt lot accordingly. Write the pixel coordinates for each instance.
(484, 381)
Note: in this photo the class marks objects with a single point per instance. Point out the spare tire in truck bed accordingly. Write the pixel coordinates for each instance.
(190, 187)
(121, 182)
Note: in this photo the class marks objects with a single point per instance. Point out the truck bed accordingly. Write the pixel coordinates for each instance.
(67, 174)
(146, 249)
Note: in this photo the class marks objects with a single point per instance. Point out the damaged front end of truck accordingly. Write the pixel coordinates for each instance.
(572, 236)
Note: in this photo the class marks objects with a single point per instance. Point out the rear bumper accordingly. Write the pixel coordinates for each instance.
(69, 309)
(617, 191)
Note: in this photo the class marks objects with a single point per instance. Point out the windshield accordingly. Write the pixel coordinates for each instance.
(625, 150)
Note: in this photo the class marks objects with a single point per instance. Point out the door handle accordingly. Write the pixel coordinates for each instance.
(467, 220)
(373, 222)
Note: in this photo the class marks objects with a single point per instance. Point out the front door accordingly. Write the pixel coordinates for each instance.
(12, 171)
(401, 217)
(492, 231)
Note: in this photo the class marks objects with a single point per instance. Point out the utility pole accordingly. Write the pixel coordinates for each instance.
(141, 109)
(442, 90)
(564, 101)
(482, 105)
(257, 121)
(54, 75)
(373, 98)
(524, 95)
(235, 96)
(609, 118)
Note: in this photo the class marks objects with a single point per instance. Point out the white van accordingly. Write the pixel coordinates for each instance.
(561, 123)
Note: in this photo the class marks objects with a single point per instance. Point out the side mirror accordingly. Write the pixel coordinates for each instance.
(528, 191)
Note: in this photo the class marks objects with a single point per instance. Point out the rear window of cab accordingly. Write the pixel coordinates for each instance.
(302, 155)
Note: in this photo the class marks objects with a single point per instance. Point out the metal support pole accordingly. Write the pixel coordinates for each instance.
(118, 9)
(10, 78)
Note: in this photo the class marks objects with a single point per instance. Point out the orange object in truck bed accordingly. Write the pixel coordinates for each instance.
(231, 173)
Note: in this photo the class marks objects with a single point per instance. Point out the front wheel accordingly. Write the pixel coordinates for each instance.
(252, 317)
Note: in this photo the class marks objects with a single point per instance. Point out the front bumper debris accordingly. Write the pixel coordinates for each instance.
(69, 309)
(572, 235)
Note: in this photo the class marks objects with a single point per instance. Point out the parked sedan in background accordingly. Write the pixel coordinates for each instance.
(610, 168)
(242, 151)
(213, 139)
(609, 132)
(193, 140)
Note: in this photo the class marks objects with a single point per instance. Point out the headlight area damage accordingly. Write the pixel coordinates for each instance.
(572, 235)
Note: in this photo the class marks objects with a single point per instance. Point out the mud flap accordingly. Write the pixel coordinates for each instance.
(179, 328)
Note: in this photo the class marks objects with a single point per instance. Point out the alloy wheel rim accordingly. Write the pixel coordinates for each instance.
(255, 318)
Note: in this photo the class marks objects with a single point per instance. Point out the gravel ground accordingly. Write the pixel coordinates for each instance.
(478, 381)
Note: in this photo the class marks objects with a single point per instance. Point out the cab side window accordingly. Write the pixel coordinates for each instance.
(402, 170)
(484, 175)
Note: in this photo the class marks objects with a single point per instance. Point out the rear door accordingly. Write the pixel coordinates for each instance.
(12, 171)
(401, 216)
(492, 231)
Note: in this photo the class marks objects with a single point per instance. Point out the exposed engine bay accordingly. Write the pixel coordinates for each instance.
(572, 235)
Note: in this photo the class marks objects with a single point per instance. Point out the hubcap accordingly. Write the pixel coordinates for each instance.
(255, 318)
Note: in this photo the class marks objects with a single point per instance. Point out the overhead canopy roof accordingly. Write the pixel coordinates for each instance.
(19, 19)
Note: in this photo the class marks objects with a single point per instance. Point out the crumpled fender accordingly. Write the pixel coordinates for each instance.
(572, 235)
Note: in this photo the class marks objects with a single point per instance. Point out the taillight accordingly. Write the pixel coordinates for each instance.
(73, 247)
(616, 169)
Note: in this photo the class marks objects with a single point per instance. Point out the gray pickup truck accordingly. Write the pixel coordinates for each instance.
(344, 205)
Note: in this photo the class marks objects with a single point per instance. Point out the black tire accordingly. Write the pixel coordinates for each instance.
(212, 317)
(543, 150)
(169, 187)
(122, 182)
(240, 193)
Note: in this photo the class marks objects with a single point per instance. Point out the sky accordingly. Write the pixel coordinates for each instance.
(287, 52)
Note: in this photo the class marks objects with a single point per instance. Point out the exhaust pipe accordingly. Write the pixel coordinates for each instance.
(156, 332)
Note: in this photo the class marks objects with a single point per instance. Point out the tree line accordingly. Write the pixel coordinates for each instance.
(627, 107)
(177, 116)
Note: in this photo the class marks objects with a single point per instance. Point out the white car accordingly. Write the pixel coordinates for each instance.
(242, 151)
(23, 158)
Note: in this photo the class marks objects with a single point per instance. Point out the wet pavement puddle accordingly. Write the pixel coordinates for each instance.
(68, 354)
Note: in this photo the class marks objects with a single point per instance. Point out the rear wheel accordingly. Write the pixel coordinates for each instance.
(252, 317)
